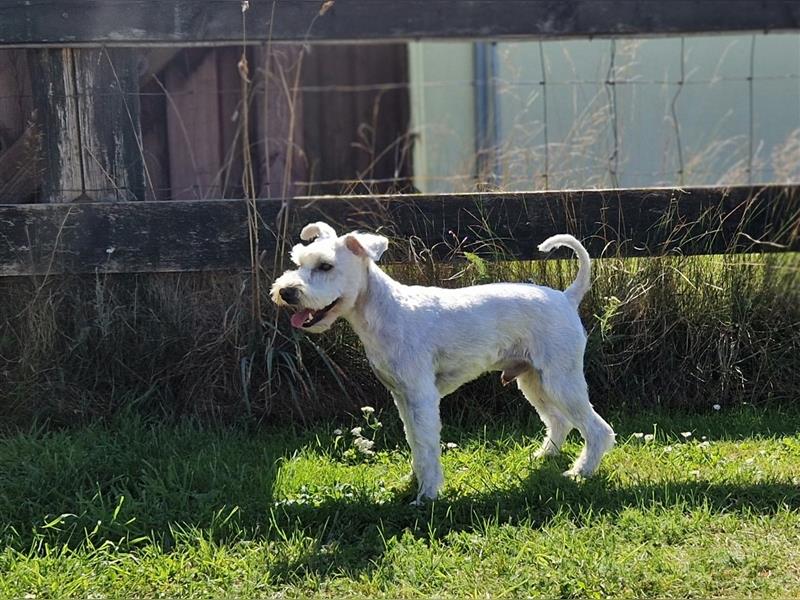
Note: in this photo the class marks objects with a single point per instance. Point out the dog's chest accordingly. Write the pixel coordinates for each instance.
(385, 376)
(381, 363)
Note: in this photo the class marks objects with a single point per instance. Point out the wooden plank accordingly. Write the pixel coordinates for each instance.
(107, 82)
(87, 111)
(20, 152)
(203, 124)
(183, 22)
(230, 122)
(54, 97)
(213, 235)
(279, 120)
(21, 166)
(153, 120)
(15, 96)
(361, 134)
(193, 128)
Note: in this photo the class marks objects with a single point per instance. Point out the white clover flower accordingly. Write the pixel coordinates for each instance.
(649, 437)
(356, 431)
(367, 410)
(716, 407)
(364, 443)
(686, 434)
(638, 435)
(337, 432)
(451, 445)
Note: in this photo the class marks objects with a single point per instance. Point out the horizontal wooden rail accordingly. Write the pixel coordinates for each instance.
(198, 22)
(123, 237)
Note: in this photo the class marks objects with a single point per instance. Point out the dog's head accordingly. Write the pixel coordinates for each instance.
(331, 272)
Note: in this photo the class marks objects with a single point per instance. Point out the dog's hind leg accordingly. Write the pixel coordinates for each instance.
(557, 425)
(569, 394)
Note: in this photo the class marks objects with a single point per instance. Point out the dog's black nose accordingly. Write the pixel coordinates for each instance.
(290, 295)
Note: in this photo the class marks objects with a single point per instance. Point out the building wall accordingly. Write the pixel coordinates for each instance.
(442, 114)
(663, 132)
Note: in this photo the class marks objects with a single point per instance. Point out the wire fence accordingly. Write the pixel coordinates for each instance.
(723, 123)
(563, 115)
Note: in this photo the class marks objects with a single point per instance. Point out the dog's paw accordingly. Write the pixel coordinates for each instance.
(423, 500)
(574, 474)
(546, 452)
(426, 494)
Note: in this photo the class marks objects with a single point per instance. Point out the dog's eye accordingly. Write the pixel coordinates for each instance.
(324, 267)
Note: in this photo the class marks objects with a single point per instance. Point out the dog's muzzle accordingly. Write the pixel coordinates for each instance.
(308, 317)
(290, 295)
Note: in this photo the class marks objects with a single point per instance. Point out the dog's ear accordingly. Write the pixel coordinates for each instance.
(297, 252)
(317, 230)
(366, 244)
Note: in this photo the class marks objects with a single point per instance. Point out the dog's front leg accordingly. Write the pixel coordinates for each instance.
(402, 407)
(418, 405)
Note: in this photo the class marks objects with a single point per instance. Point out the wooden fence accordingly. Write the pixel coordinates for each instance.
(120, 237)
(89, 23)
(133, 235)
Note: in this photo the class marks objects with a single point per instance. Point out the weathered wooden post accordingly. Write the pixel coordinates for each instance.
(87, 106)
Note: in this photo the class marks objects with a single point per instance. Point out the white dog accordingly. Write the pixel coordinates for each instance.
(425, 342)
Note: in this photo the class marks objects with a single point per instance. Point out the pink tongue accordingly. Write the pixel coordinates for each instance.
(300, 317)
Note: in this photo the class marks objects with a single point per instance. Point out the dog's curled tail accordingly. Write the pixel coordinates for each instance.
(583, 281)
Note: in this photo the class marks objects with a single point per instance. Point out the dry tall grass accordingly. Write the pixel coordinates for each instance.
(676, 332)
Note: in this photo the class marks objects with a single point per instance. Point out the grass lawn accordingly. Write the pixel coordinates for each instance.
(139, 508)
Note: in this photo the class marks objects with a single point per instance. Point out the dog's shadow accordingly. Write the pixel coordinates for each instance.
(534, 501)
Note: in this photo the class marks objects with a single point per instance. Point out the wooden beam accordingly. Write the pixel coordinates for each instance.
(207, 235)
(184, 22)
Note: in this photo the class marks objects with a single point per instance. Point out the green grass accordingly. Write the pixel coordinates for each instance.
(139, 508)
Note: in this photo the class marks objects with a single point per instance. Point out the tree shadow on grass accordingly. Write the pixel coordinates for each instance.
(351, 534)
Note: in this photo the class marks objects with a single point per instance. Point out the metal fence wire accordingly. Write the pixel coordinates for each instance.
(580, 121)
